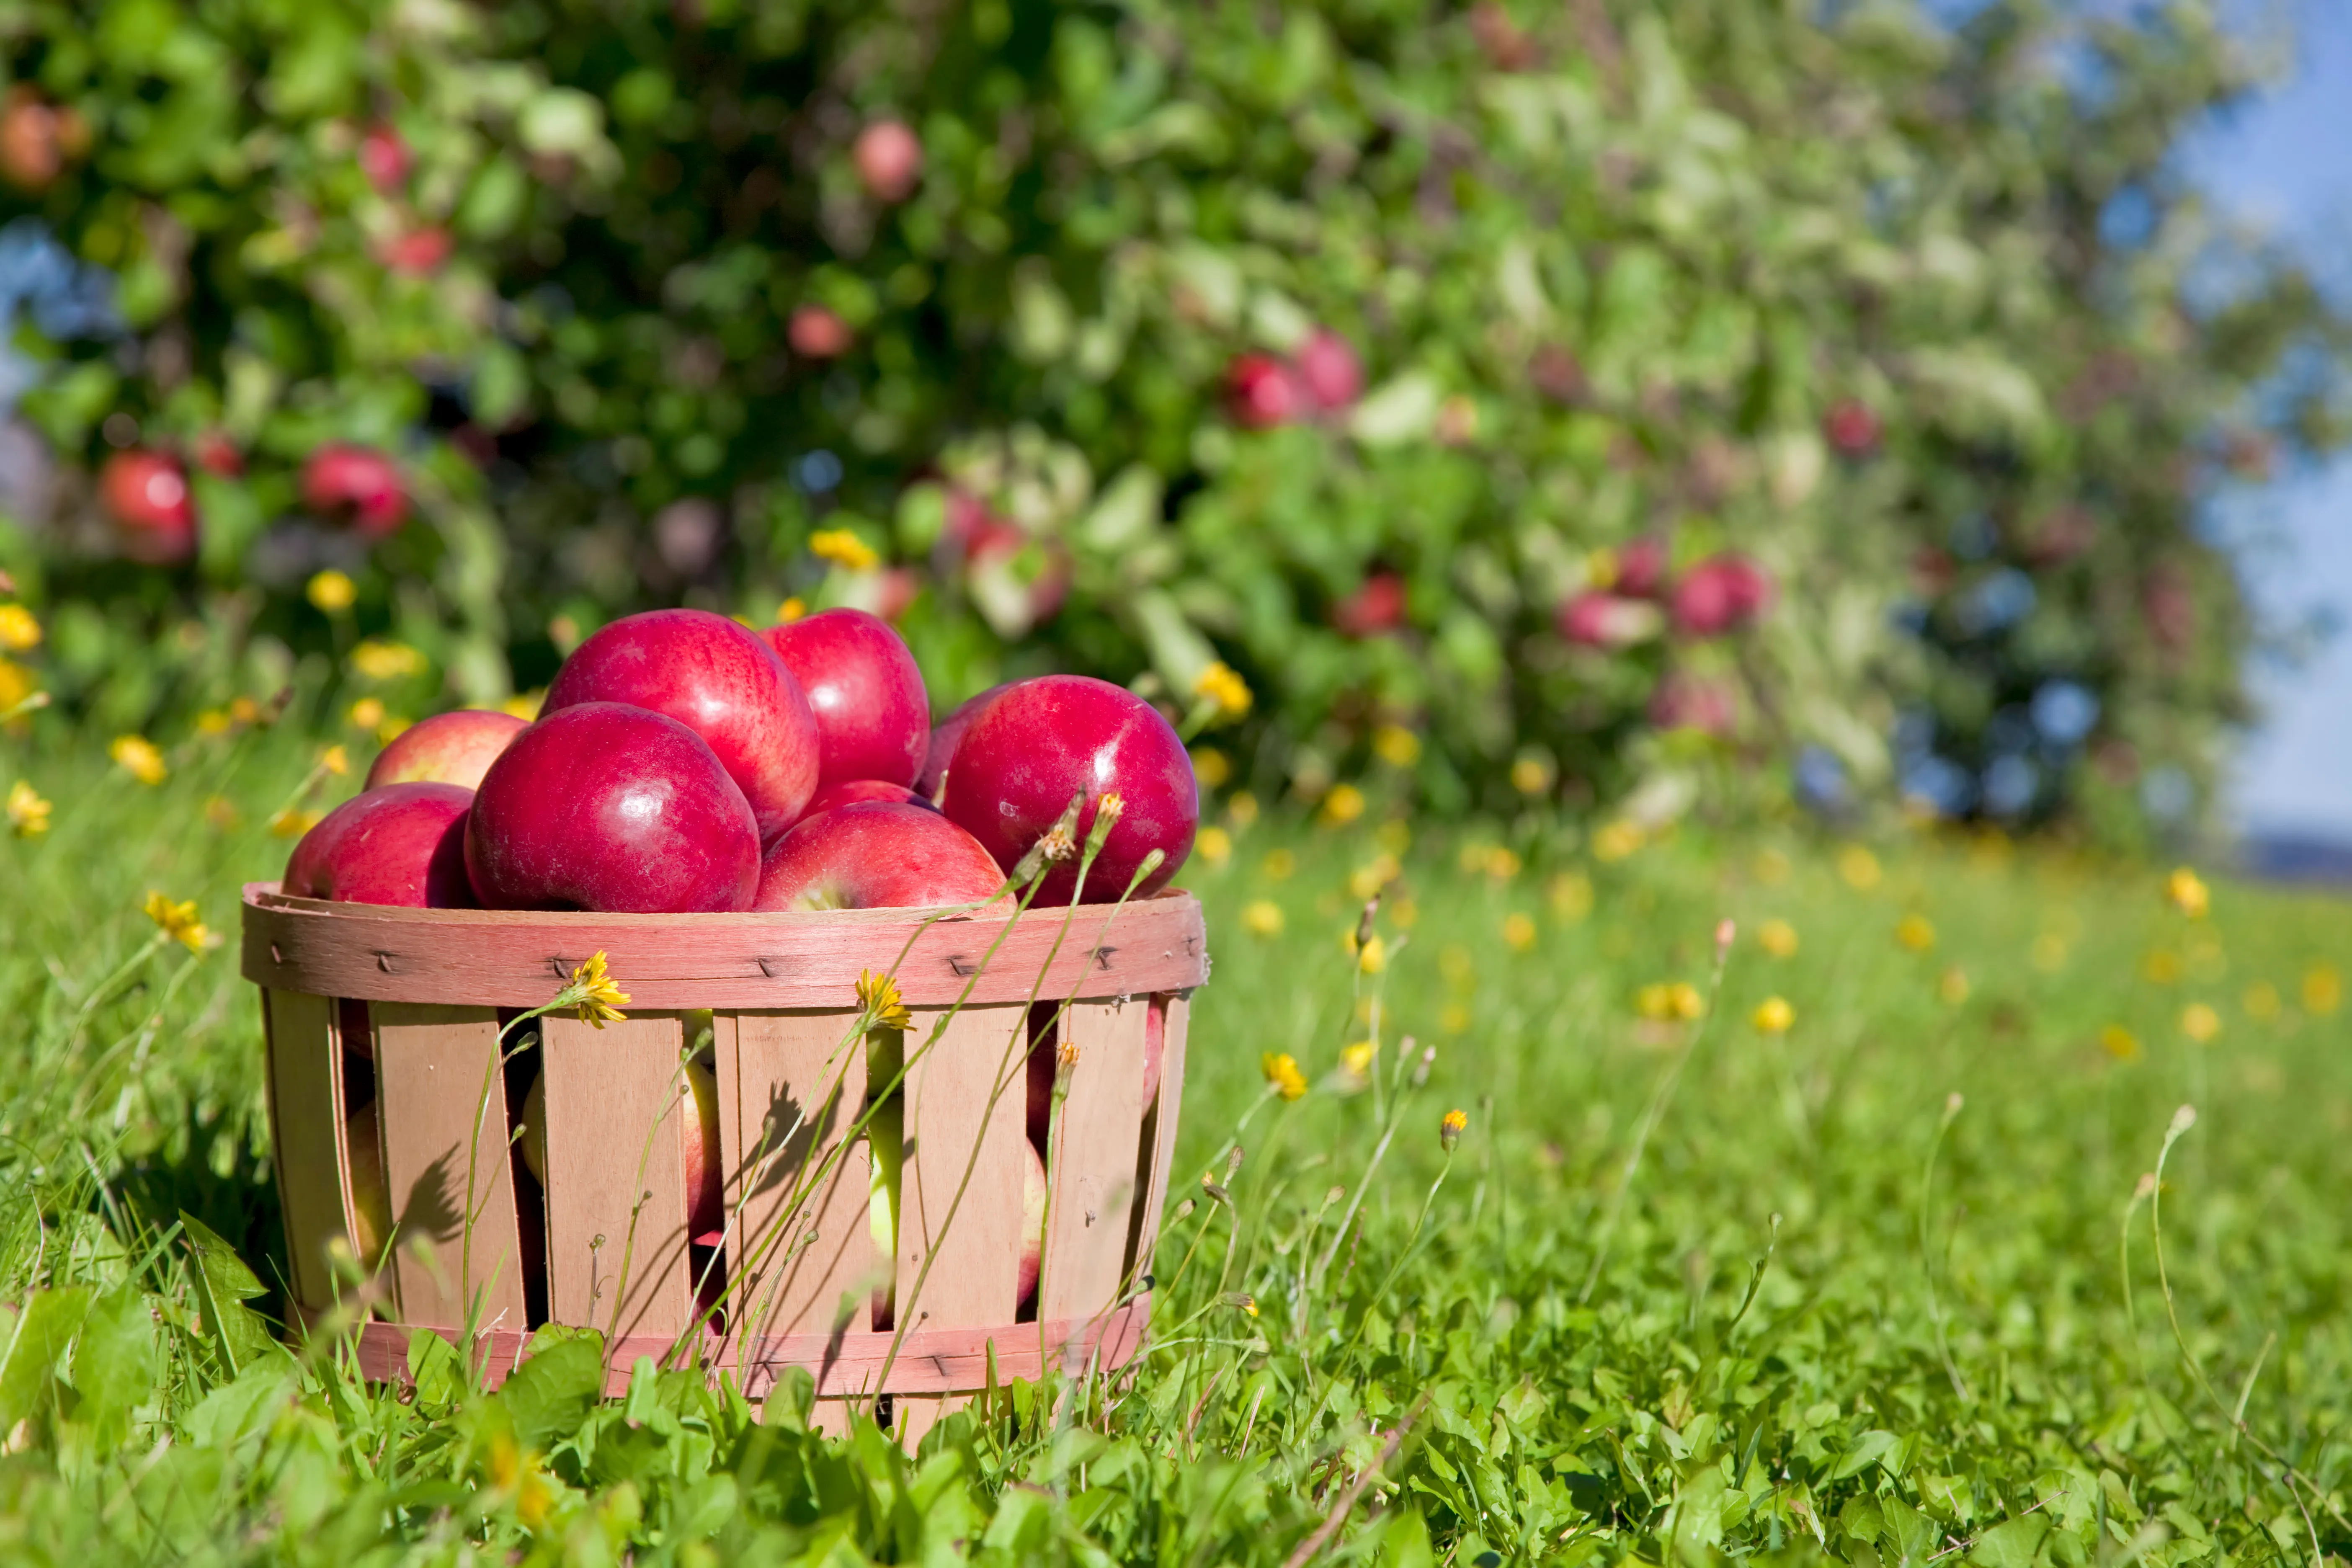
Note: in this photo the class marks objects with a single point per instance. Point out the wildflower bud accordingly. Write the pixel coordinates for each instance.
(1242, 1298)
(1216, 1193)
(1726, 931)
(1106, 815)
(1065, 1062)
(1953, 1102)
(1152, 862)
(1364, 921)
(2147, 1184)
(2183, 1119)
(1184, 1211)
(1428, 1061)
(1059, 842)
(1233, 1161)
(1449, 1129)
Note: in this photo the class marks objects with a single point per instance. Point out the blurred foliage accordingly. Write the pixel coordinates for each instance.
(1921, 320)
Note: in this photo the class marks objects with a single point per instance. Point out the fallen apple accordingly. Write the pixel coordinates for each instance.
(719, 679)
(606, 806)
(403, 844)
(455, 748)
(872, 854)
(1046, 741)
(873, 717)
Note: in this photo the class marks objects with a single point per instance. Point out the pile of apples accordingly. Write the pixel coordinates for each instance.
(684, 763)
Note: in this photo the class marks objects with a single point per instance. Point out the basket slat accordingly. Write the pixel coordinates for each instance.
(786, 1105)
(1158, 1157)
(615, 1143)
(432, 1066)
(972, 1246)
(306, 1124)
(1090, 1176)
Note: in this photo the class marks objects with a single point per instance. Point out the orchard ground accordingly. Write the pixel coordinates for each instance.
(1870, 1271)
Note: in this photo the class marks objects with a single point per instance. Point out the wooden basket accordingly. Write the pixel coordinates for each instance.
(414, 996)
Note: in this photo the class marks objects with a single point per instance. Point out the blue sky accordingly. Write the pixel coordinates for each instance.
(2285, 160)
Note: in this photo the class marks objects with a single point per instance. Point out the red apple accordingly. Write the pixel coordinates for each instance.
(1641, 569)
(874, 855)
(1851, 426)
(455, 748)
(605, 806)
(1033, 1223)
(37, 139)
(416, 252)
(1043, 742)
(403, 844)
(1721, 593)
(1328, 368)
(706, 1195)
(721, 680)
(872, 719)
(1377, 607)
(147, 496)
(384, 158)
(370, 1194)
(849, 792)
(357, 484)
(946, 733)
(216, 453)
(816, 333)
(1604, 620)
(890, 159)
(1685, 702)
(1261, 392)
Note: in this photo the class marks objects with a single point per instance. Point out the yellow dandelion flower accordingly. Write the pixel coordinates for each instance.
(1455, 1019)
(331, 591)
(1777, 937)
(1227, 694)
(1396, 745)
(16, 687)
(1373, 956)
(1570, 896)
(2186, 891)
(1394, 835)
(1372, 876)
(1211, 768)
(1450, 1128)
(293, 822)
(137, 756)
(844, 549)
(524, 705)
(2260, 1000)
(1686, 1001)
(386, 660)
(2199, 1023)
(1914, 932)
(2161, 967)
(177, 921)
(1214, 844)
(1617, 840)
(29, 813)
(1502, 864)
(336, 760)
(1859, 867)
(1343, 805)
(1279, 865)
(599, 998)
(392, 730)
(2049, 953)
(1282, 1074)
(1262, 917)
(2119, 1043)
(1952, 986)
(1771, 867)
(2323, 990)
(1654, 1002)
(366, 713)
(1518, 932)
(877, 997)
(20, 632)
(1773, 1015)
(791, 610)
(1357, 1059)
(245, 711)
(1532, 774)
(1241, 809)
(214, 721)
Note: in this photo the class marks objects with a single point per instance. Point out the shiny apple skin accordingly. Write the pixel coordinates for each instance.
(606, 806)
(455, 748)
(405, 844)
(1047, 740)
(721, 682)
(851, 791)
(940, 751)
(873, 717)
(876, 855)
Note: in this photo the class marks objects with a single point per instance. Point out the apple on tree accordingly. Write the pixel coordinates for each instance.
(890, 160)
(606, 806)
(356, 484)
(1046, 741)
(721, 680)
(865, 694)
(453, 748)
(403, 844)
(147, 496)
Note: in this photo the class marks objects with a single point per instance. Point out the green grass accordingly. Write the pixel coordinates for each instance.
(1833, 1314)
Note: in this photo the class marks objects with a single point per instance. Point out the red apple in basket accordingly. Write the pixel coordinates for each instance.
(721, 682)
(455, 748)
(370, 1195)
(403, 844)
(949, 731)
(706, 1206)
(1048, 740)
(851, 791)
(605, 806)
(873, 855)
(873, 719)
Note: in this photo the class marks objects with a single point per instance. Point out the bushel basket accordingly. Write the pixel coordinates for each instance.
(402, 1008)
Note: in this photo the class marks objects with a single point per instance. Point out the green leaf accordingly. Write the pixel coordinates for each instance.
(559, 1383)
(114, 1359)
(36, 1343)
(222, 1285)
(2011, 1544)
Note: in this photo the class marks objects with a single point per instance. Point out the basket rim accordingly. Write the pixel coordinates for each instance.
(271, 896)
